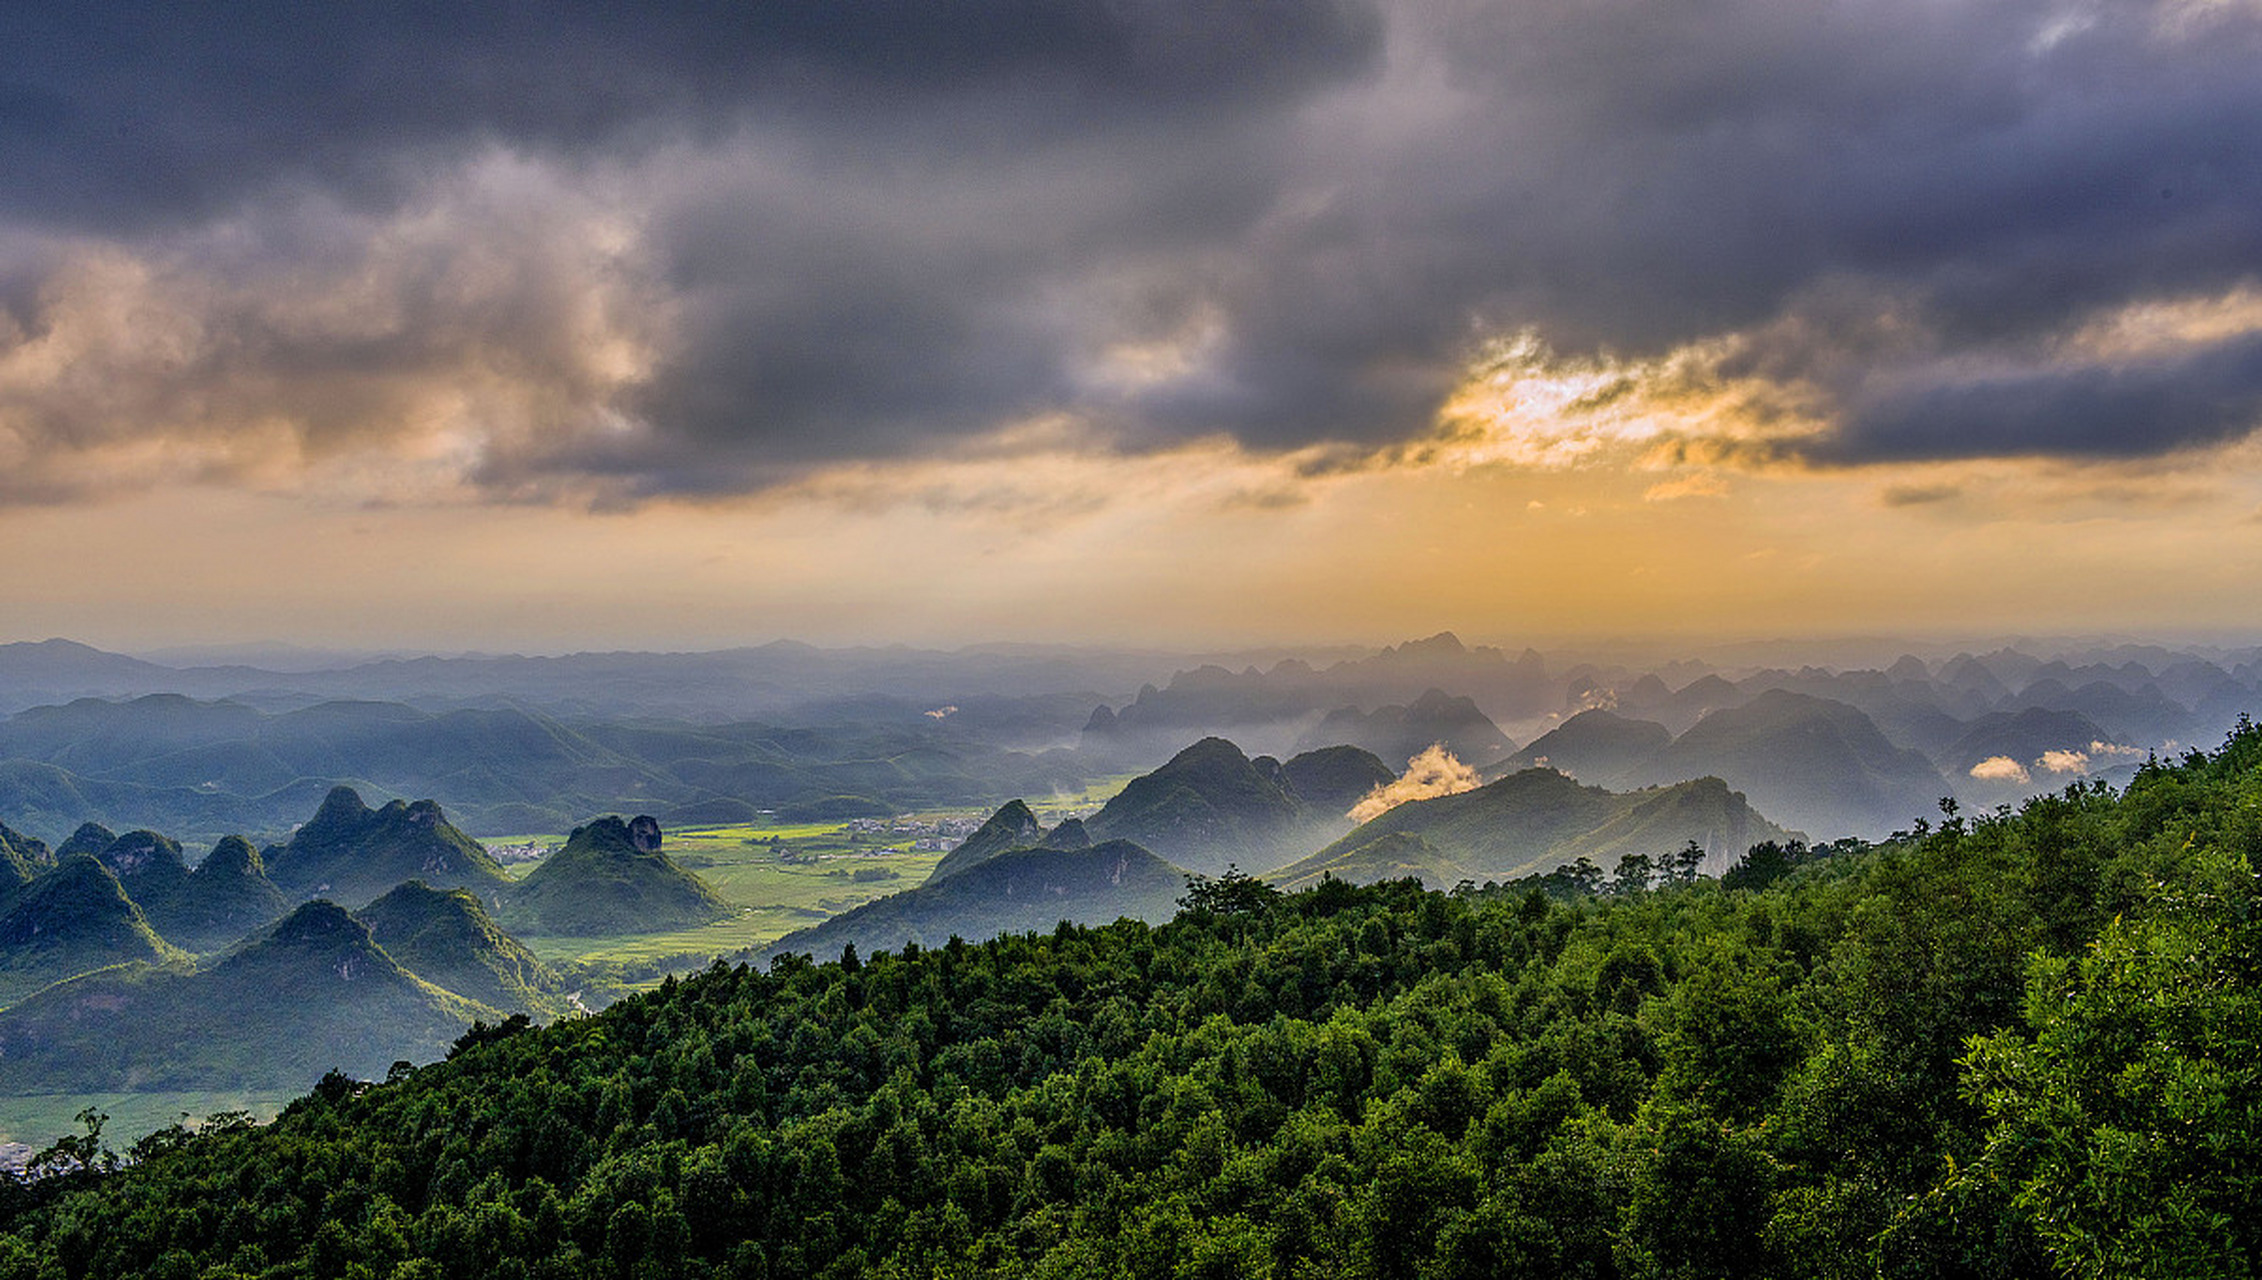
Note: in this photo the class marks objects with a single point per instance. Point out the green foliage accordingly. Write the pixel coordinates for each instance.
(21, 858)
(604, 882)
(2013, 1046)
(350, 853)
(447, 938)
(1231, 894)
(2127, 1121)
(312, 993)
(69, 921)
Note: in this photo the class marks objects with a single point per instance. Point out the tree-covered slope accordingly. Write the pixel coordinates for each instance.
(151, 870)
(68, 921)
(351, 853)
(610, 877)
(312, 994)
(225, 898)
(446, 937)
(2017, 1046)
(1013, 826)
(22, 857)
(91, 838)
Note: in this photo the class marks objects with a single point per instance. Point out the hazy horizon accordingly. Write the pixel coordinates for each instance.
(1837, 651)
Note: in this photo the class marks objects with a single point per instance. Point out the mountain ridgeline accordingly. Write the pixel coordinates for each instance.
(1216, 810)
(1534, 821)
(1211, 806)
(351, 853)
(313, 993)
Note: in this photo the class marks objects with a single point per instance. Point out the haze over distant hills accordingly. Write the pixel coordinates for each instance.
(516, 744)
(1531, 822)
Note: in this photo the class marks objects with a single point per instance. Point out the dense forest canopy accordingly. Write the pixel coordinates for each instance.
(2013, 1044)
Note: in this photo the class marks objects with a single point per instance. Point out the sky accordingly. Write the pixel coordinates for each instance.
(685, 325)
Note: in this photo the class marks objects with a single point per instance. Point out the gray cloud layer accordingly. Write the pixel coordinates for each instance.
(850, 231)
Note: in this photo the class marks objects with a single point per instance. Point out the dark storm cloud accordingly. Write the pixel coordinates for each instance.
(883, 230)
(2118, 410)
(131, 113)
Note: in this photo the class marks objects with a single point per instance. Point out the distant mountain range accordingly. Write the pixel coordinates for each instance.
(1213, 807)
(1532, 822)
(527, 744)
(203, 769)
(1827, 766)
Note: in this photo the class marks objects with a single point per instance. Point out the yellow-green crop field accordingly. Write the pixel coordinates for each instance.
(781, 876)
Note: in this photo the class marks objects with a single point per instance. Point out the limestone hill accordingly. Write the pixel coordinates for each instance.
(1011, 827)
(1210, 806)
(21, 858)
(1070, 834)
(225, 898)
(90, 838)
(1815, 762)
(351, 853)
(1399, 733)
(446, 937)
(68, 921)
(1598, 747)
(610, 877)
(1332, 779)
(312, 994)
(151, 870)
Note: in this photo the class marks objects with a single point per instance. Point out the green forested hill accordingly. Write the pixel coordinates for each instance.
(313, 992)
(1012, 827)
(446, 937)
(2014, 1046)
(21, 858)
(350, 853)
(68, 921)
(611, 877)
(225, 898)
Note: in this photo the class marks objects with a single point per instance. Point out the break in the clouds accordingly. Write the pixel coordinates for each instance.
(587, 248)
